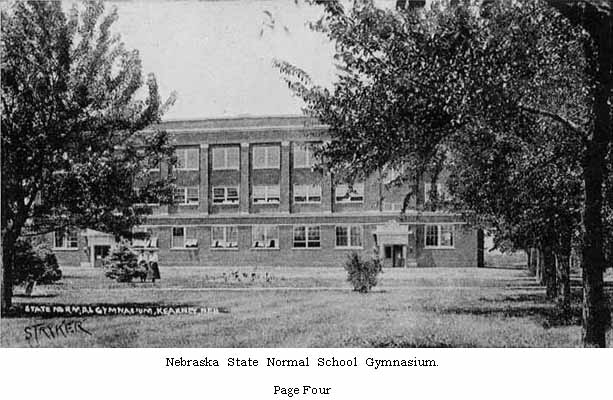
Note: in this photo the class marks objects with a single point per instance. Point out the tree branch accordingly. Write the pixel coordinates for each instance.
(556, 117)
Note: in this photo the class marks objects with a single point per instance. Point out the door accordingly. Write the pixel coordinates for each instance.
(398, 256)
(99, 253)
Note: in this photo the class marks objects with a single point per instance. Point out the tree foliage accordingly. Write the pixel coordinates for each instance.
(508, 97)
(73, 113)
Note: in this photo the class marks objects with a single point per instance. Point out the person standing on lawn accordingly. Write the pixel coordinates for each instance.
(154, 271)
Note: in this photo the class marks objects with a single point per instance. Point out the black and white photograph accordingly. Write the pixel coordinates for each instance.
(275, 174)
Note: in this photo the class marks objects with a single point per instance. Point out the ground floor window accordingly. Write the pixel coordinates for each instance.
(307, 236)
(439, 236)
(182, 239)
(349, 236)
(66, 239)
(265, 236)
(225, 236)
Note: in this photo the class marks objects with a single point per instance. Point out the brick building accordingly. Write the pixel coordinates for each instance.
(247, 195)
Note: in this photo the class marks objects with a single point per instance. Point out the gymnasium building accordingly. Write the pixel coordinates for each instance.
(247, 195)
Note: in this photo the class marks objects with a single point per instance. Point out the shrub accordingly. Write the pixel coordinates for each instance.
(123, 265)
(35, 264)
(362, 274)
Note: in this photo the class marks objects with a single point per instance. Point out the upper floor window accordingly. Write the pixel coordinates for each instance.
(390, 174)
(345, 194)
(349, 236)
(304, 156)
(181, 239)
(307, 193)
(265, 236)
(307, 236)
(266, 157)
(439, 236)
(225, 195)
(186, 195)
(66, 239)
(226, 157)
(266, 194)
(224, 237)
(187, 158)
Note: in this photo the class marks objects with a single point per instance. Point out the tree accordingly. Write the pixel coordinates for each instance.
(73, 149)
(413, 87)
(595, 17)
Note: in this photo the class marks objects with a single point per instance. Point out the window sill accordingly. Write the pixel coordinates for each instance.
(439, 247)
(186, 169)
(267, 167)
(65, 249)
(266, 203)
(307, 202)
(265, 248)
(186, 204)
(226, 204)
(349, 202)
(224, 248)
(349, 248)
(225, 169)
(306, 248)
(183, 248)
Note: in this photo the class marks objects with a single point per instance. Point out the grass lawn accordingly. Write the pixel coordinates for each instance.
(310, 307)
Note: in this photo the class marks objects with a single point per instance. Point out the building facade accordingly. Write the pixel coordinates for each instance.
(248, 195)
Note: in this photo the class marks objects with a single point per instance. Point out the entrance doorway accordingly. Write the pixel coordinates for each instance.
(99, 253)
(395, 254)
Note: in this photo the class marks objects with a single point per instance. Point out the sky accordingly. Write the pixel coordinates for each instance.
(212, 54)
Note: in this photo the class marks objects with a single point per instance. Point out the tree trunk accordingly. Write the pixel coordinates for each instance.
(539, 266)
(596, 314)
(549, 273)
(563, 278)
(531, 268)
(8, 262)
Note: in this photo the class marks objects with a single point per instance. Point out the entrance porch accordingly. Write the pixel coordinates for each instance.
(396, 245)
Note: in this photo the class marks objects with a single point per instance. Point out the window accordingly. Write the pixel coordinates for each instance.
(439, 236)
(225, 195)
(142, 236)
(224, 237)
(306, 236)
(303, 156)
(342, 193)
(67, 239)
(349, 236)
(307, 193)
(181, 239)
(390, 174)
(441, 192)
(226, 157)
(266, 157)
(187, 158)
(266, 194)
(265, 236)
(186, 195)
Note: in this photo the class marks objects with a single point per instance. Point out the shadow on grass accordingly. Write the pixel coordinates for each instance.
(35, 296)
(524, 305)
(548, 315)
(402, 342)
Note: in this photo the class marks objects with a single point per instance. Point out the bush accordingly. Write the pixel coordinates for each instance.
(362, 274)
(35, 264)
(123, 265)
